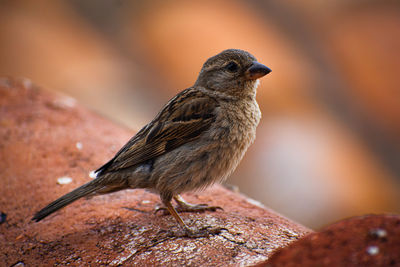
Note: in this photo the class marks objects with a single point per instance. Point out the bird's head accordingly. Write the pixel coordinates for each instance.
(233, 72)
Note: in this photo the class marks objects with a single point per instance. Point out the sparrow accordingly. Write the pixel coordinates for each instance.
(197, 139)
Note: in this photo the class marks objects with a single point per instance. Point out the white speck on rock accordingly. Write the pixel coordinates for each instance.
(92, 174)
(255, 202)
(79, 145)
(379, 233)
(27, 83)
(68, 101)
(146, 201)
(372, 250)
(64, 180)
(19, 264)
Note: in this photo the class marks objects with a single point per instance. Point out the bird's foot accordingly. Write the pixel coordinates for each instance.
(184, 206)
(189, 208)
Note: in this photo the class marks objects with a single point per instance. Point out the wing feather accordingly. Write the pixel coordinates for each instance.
(183, 119)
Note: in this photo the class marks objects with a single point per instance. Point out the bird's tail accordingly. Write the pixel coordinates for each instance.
(63, 201)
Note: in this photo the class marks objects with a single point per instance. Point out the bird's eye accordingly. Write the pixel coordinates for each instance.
(232, 66)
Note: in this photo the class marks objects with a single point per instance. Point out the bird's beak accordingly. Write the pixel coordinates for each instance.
(256, 70)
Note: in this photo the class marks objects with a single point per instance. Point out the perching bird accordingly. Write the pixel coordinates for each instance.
(197, 139)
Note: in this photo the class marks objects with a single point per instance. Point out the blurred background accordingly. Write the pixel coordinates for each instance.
(328, 145)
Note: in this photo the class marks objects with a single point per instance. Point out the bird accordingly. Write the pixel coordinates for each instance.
(197, 139)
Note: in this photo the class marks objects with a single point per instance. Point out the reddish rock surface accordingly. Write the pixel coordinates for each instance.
(45, 137)
(372, 240)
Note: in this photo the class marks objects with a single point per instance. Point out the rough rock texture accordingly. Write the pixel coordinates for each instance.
(45, 137)
(372, 240)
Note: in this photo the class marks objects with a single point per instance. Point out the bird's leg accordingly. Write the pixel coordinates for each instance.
(178, 218)
(205, 232)
(184, 206)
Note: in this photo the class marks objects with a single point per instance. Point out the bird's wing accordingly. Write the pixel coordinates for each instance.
(183, 119)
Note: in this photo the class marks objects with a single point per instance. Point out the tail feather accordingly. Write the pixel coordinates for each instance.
(63, 201)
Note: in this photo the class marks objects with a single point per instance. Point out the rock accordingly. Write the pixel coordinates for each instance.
(372, 240)
(38, 144)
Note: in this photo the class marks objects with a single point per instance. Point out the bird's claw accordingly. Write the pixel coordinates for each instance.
(189, 208)
(198, 208)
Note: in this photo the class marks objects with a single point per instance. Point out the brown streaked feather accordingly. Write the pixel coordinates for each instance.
(183, 119)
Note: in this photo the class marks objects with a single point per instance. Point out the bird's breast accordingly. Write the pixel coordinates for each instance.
(235, 130)
(237, 123)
